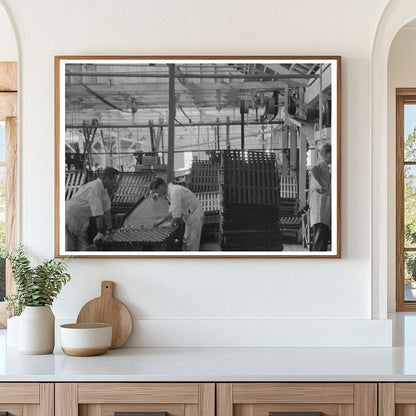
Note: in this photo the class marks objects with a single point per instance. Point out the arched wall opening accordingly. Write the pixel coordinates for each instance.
(401, 74)
(383, 251)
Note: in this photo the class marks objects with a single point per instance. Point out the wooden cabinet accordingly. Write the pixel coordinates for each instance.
(262, 399)
(27, 399)
(106, 399)
(397, 399)
(208, 399)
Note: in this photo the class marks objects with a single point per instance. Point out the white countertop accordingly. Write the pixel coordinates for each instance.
(215, 364)
(222, 364)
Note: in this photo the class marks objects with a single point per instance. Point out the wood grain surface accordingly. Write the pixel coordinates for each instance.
(170, 393)
(22, 393)
(365, 399)
(8, 105)
(84, 352)
(66, 399)
(46, 402)
(252, 393)
(108, 310)
(386, 399)
(11, 196)
(224, 399)
(8, 76)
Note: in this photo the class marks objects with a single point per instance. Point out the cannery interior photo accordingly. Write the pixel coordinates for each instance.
(243, 136)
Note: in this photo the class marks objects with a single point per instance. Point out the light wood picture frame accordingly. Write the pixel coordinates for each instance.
(245, 151)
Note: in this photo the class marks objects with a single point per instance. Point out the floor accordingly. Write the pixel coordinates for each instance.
(210, 246)
(214, 246)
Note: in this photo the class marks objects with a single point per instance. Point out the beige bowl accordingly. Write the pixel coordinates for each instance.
(83, 340)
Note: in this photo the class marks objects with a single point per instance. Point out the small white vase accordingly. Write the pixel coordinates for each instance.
(37, 330)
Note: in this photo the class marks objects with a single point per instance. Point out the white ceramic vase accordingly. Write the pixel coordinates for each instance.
(37, 330)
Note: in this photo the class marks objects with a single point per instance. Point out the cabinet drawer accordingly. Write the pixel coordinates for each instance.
(21, 399)
(19, 393)
(138, 393)
(147, 399)
(270, 399)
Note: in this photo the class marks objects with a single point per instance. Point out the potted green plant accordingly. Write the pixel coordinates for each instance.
(36, 289)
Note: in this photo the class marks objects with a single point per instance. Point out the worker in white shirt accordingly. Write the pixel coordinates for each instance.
(320, 200)
(184, 206)
(90, 201)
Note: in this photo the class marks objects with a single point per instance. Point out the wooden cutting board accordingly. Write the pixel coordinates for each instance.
(108, 310)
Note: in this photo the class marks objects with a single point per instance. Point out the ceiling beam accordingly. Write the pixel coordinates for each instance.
(193, 124)
(162, 87)
(184, 75)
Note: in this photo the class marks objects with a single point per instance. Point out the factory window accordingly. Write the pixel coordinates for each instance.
(406, 200)
(8, 165)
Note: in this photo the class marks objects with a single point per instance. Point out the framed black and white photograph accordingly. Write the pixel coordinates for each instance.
(198, 156)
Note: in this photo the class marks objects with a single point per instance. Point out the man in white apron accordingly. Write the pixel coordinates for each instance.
(320, 200)
(184, 205)
(90, 201)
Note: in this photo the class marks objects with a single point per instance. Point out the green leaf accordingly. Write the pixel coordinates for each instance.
(35, 286)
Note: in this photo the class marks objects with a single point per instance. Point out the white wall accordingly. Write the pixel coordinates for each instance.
(401, 74)
(8, 46)
(212, 301)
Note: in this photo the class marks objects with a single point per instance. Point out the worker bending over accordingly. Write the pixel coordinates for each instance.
(90, 201)
(184, 205)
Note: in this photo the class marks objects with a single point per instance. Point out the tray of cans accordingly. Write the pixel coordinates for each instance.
(249, 177)
(140, 238)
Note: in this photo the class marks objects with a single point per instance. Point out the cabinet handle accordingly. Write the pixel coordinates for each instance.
(138, 414)
(295, 413)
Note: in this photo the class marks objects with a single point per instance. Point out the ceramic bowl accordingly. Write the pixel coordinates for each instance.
(83, 340)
